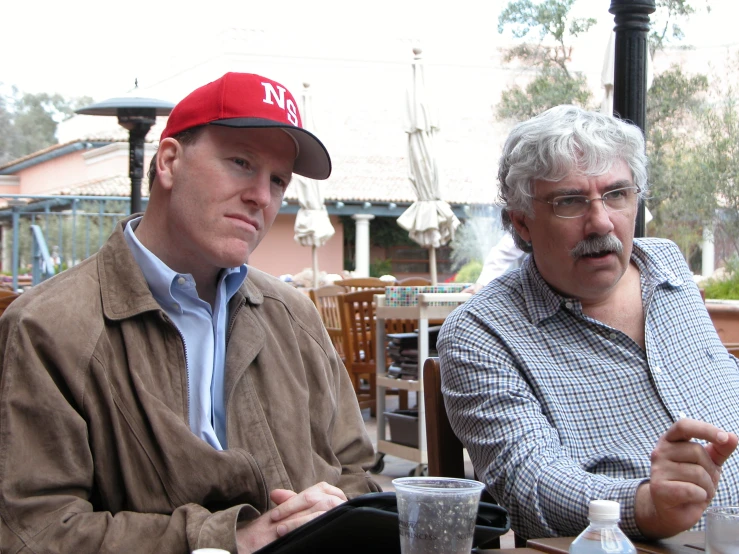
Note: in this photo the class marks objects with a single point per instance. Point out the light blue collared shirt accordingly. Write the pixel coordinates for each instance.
(203, 332)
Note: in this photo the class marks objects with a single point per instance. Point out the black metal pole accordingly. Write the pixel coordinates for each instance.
(136, 138)
(138, 122)
(630, 70)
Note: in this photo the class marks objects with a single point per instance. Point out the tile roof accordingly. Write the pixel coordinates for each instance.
(355, 178)
(385, 178)
(114, 185)
(56, 147)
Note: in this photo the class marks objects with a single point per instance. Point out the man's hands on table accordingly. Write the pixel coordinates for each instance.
(684, 477)
(292, 510)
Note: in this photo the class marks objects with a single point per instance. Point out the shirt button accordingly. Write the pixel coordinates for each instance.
(181, 280)
(682, 415)
(612, 336)
(176, 306)
(657, 369)
(568, 305)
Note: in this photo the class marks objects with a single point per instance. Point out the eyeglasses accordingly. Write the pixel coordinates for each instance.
(570, 207)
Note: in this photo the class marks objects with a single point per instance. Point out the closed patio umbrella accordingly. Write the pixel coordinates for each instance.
(429, 221)
(312, 225)
(606, 76)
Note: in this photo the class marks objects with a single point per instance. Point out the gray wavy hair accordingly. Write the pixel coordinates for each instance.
(561, 141)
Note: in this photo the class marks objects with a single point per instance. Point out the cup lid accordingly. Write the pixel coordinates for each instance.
(438, 484)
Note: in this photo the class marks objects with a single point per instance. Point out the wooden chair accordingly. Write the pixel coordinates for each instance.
(361, 283)
(326, 299)
(444, 450)
(359, 340)
(414, 282)
(6, 297)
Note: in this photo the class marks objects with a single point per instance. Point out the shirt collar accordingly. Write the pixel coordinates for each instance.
(161, 278)
(653, 269)
(543, 302)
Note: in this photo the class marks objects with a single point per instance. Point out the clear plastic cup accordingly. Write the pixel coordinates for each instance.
(722, 530)
(437, 515)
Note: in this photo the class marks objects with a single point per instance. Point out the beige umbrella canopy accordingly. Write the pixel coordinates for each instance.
(429, 221)
(312, 225)
(606, 76)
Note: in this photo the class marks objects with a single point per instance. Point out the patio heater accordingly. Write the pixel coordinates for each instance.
(137, 115)
(630, 70)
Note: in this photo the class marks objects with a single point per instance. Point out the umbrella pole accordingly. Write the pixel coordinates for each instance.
(315, 266)
(432, 265)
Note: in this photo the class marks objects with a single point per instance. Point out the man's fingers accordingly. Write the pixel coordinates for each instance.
(329, 489)
(672, 494)
(721, 444)
(279, 496)
(293, 523)
(691, 476)
(688, 429)
(720, 450)
(318, 497)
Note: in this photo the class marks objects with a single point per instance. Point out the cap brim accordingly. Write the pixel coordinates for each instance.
(313, 160)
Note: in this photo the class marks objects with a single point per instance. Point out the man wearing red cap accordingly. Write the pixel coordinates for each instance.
(163, 396)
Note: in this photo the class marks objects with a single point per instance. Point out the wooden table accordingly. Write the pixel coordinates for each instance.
(689, 542)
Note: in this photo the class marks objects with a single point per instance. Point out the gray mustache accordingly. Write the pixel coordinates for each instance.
(596, 244)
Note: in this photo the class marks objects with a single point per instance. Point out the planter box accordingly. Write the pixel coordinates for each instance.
(725, 317)
(403, 427)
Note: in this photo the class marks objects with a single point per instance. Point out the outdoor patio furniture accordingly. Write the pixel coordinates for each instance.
(444, 450)
(414, 282)
(361, 283)
(359, 340)
(358, 328)
(327, 302)
(6, 297)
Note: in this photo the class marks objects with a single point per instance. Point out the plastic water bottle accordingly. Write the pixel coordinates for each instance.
(603, 535)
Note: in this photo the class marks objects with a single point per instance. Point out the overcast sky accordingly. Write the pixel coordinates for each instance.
(88, 47)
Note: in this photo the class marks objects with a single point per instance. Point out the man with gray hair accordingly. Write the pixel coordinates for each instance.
(593, 371)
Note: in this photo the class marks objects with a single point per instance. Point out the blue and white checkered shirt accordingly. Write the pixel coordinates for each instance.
(557, 409)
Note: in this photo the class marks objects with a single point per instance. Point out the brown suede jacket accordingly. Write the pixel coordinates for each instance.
(96, 454)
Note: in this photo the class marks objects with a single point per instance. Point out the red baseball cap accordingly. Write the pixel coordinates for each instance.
(249, 100)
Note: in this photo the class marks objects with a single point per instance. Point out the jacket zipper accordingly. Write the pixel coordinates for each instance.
(232, 320)
(187, 372)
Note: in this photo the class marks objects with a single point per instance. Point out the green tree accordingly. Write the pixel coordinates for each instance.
(552, 87)
(28, 121)
(7, 135)
(717, 157)
(694, 155)
(665, 23)
(677, 202)
(548, 28)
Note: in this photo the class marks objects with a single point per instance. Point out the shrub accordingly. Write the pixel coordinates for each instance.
(726, 288)
(469, 272)
(379, 267)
